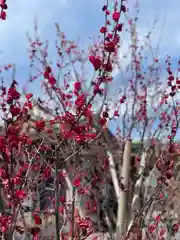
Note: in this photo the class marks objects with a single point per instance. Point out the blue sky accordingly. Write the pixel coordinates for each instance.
(81, 19)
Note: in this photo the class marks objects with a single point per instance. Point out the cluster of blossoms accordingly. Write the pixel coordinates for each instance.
(3, 6)
(102, 62)
(11, 147)
(163, 231)
(173, 82)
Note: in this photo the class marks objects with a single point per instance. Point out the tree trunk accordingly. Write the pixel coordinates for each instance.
(123, 198)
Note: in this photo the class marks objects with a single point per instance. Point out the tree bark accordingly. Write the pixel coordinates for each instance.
(122, 198)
